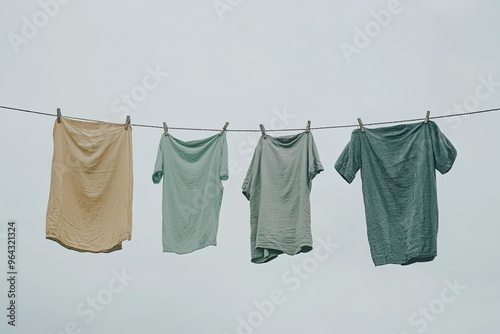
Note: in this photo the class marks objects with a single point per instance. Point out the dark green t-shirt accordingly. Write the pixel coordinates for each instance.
(398, 176)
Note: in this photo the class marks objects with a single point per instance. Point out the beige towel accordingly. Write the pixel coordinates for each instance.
(90, 201)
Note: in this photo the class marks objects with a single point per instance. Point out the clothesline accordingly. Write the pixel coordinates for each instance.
(90, 208)
(258, 130)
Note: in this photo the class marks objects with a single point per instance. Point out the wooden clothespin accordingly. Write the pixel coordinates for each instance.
(224, 128)
(58, 115)
(127, 122)
(426, 119)
(308, 126)
(165, 129)
(361, 126)
(263, 130)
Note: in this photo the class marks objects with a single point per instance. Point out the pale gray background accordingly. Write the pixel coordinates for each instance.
(257, 60)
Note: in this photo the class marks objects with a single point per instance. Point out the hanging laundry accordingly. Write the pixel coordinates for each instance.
(278, 184)
(398, 176)
(192, 190)
(90, 201)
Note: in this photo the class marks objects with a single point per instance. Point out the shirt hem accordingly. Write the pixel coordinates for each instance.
(169, 250)
(79, 248)
(303, 248)
(406, 261)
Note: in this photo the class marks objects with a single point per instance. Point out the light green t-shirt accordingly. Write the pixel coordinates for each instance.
(278, 184)
(192, 190)
(398, 176)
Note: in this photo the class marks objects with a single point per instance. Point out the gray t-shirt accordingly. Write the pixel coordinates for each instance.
(278, 184)
(398, 176)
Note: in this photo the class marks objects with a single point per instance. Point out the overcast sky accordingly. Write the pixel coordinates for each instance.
(280, 63)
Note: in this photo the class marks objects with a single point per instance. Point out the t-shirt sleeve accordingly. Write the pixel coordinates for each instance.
(224, 169)
(158, 171)
(247, 184)
(315, 166)
(349, 161)
(443, 150)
